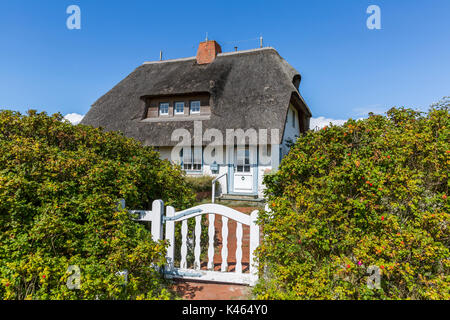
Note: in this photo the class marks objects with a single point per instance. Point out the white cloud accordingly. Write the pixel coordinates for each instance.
(320, 122)
(74, 118)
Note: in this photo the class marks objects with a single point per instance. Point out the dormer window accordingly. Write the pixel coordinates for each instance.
(179, 108)
(195, 107)
(164, 109)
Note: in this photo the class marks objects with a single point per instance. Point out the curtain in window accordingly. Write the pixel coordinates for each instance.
(192, 158)
(197, 161)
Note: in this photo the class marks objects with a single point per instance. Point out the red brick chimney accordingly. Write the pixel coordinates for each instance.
(207, 51)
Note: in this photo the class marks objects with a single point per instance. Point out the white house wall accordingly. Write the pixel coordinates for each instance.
(262, 170)
(166, 152)
(291, 132)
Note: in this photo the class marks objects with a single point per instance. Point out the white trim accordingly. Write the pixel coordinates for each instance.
(175, 107)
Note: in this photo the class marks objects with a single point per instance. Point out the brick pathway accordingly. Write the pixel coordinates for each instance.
(216, 291)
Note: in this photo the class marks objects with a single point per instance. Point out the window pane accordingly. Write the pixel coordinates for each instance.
(164, 108)
(247, 156)
(197, 154)
(179, 107)
(192, 158)
(240, 155)
(187, 155)
(195, 106)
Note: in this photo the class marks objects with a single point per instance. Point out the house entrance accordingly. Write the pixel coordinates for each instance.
(244, 169)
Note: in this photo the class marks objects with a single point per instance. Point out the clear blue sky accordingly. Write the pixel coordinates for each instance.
(346, 68)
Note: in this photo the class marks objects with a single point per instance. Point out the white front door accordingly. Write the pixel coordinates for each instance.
(243, 170)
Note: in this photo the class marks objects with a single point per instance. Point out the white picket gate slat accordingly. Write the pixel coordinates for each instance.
(224, 266)
(184, 229)
(170, 236)
(157, 218)
(211, 233)
(238, 247)
(197, 249)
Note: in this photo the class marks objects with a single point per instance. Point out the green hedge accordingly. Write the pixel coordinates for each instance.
(200, 183)
(59, 187)
(372, 192)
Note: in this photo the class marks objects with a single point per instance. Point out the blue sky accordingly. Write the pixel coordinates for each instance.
(347, 70)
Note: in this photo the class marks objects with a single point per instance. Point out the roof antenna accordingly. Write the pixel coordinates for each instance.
(207, 36)
(260, 41)
(160, 55)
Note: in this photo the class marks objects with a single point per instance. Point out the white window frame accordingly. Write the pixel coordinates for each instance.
(242, 159)
(175, 107)
(159, 108)
(190, 160)
(190, 107)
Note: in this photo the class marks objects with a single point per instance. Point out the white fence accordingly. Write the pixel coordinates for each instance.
(158, 219)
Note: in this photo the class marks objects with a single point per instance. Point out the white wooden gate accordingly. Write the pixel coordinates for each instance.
(157, 217)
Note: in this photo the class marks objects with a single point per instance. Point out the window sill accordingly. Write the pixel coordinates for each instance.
(194, 172)
(177, 118)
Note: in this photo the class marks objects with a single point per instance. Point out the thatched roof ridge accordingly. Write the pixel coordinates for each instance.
(249, 89)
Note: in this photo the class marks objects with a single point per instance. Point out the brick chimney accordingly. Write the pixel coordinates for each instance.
(207, 51)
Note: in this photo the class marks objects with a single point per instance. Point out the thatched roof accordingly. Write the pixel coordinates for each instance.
(249, 89)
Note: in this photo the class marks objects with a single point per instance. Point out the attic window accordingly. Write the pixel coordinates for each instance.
(195, 107)
(179, 107)
(164, 109)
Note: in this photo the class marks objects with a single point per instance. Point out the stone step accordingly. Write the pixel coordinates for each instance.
(241, 197)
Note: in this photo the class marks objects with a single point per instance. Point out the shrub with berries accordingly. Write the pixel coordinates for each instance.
(378, 198)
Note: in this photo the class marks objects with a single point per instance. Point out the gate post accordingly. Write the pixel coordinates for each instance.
(170, 235)
(157, 221)
(254, 243)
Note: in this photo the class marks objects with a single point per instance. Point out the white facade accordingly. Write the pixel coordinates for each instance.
(291, 130)
(244, 178)
(242, 169)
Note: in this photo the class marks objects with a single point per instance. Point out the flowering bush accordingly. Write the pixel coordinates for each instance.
(372, 192)
(59, 188)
